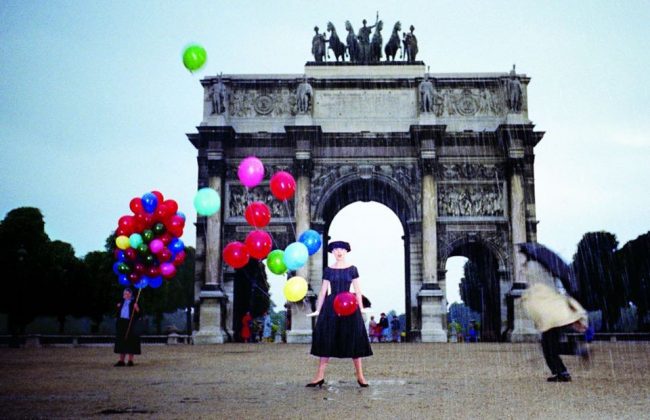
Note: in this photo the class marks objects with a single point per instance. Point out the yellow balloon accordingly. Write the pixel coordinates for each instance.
(122, 242)
(295, 289)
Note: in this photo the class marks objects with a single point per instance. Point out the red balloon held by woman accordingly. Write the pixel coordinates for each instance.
(259, 244)
(345, 303)
(236, 255)
(283, 186)
(257, 214)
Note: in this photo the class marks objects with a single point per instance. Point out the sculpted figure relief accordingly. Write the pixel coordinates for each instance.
(218, 94)
(304, 93)
(375, 44)
(364, 41)
(394, 43)
(426, 94)
(318, 46)
(513, 92)
(410, 45)
(337, 47)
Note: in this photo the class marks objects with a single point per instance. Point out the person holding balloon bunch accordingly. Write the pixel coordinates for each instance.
(340, 330)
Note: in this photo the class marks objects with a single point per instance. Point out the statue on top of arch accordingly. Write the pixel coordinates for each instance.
(360, 48)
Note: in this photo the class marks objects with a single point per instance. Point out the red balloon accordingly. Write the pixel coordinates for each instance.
(159, 196)
(152, 271)
(145, 220)
(345, 304)
(136, 205)
(236, 255)
(257, 214)
(259, 244)
(120, 232)
(131, 254)
(164, 255)
(134, 277)
(166, 238)
(139, 268)
(172, 205)
(179, 258)
(163, 213)
(283, 186)
(127, 223)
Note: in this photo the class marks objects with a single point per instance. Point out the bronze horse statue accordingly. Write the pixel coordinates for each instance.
(394, 43)
(337, 47)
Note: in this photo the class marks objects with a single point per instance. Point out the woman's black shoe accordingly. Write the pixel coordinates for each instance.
(316, 384)
(120, 363)
(362, 385)
(129, 363)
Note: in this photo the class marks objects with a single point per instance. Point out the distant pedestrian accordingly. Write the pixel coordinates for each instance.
(267, 327)
(372, 328)
(245, 332)
(554, 314)
(383, 326)
(395, 328)
(127, 340)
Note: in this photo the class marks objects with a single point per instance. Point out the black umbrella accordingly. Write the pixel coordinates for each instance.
(552, 261)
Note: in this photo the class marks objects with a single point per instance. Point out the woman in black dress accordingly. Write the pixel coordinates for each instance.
(334, 335)
(126, 343)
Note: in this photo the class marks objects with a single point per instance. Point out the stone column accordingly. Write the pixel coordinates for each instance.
(430, 297)
(303, 136)
(212, 297)
(514, 138)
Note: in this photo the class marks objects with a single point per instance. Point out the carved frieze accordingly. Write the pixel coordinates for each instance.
(469, 102)
(406, 176)
(474, 200)
(239, 197)
(471, 171)
(496, 240)
(257, 103)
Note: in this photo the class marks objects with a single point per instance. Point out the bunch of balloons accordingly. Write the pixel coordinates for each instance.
(259, 243)
(148, 245)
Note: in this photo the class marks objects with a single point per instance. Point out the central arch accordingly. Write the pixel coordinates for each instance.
(380, 189)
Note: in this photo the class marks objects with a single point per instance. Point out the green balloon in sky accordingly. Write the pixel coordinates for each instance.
(194, 57)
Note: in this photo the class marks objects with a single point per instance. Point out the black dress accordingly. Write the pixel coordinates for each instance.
(339, 336)
(127, 344)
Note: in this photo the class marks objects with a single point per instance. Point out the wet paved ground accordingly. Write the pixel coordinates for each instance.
(267, 381)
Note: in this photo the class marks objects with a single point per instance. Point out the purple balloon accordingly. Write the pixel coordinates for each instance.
(250, 171)
(156, 245)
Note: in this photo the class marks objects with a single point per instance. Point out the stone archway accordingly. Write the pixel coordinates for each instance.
(488, 294)
(461, 171)
(377, 187)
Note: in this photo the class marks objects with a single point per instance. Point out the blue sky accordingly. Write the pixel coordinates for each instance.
(95, 102)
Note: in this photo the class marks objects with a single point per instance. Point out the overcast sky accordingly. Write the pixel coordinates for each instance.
(95, 104)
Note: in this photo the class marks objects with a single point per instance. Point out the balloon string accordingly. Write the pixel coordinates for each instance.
(132, 313)
(286, 206)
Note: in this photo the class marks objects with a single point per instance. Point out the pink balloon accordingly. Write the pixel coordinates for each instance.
(156, 245)
(250, 171)
(167, 270)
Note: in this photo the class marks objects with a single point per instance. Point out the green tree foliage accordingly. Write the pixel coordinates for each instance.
(470, 287)
(634, 261)
(600, 285)
(23, 257)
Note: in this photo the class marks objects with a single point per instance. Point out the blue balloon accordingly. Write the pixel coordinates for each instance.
(115, 267)
(176, 246)
(295, 255)
(121, 257)
(144, 282)
(312, 241)
(149, 202)
(123, 280)
(155, 282)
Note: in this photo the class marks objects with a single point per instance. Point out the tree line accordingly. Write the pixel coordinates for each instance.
(44, 277)
(605, 278)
